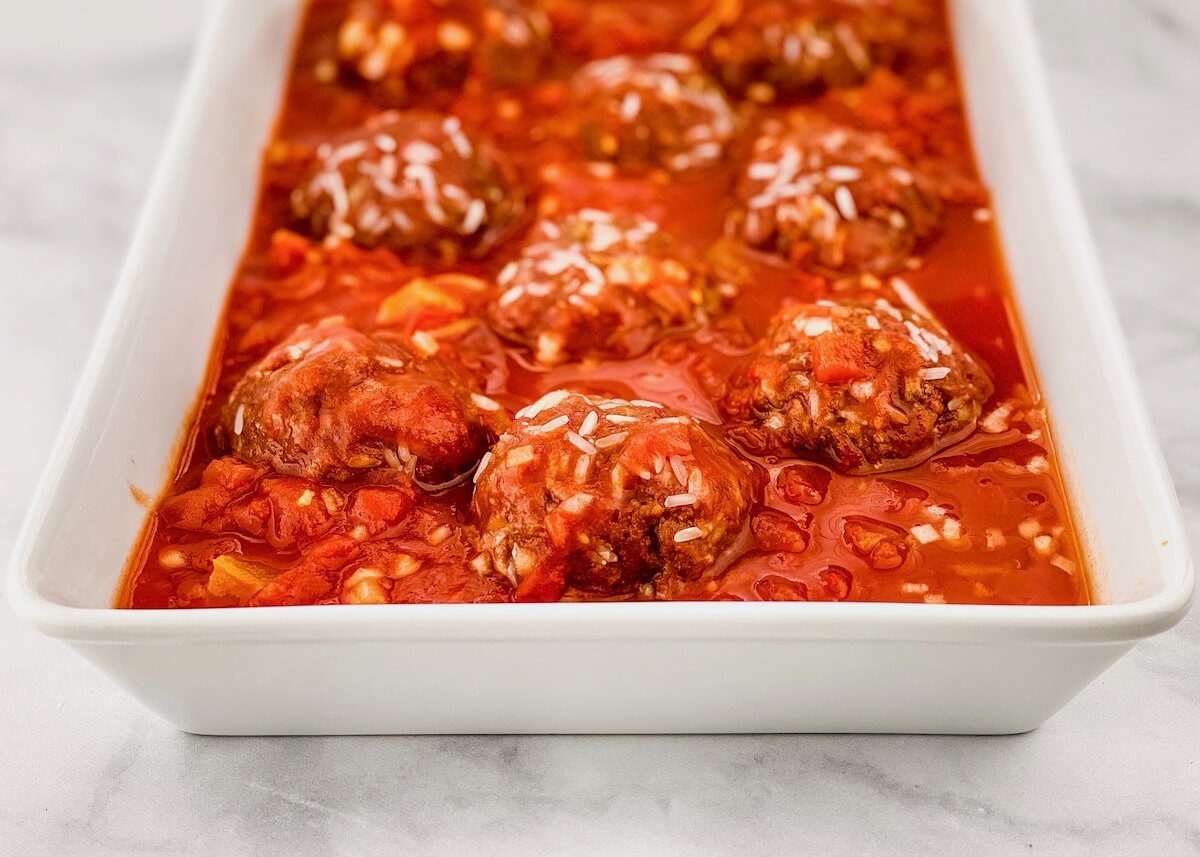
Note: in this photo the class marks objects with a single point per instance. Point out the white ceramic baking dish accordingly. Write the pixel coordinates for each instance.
(673, 667)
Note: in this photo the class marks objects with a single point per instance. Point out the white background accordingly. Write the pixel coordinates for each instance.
(86, 90)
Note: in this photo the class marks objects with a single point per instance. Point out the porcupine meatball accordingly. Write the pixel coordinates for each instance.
(407, 47)
(871, 387)
(602, 495)
(834, 197)
(411, 182)
(331, 402)
(788, 48)
(661, 110)
(599, 285)
(599, 28)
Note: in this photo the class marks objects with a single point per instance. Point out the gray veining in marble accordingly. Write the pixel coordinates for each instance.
(86, 90)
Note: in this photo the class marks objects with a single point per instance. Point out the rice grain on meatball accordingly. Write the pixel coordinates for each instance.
(331, 402)
(600, 285)
(835, 197)
(603, 495)
(871, 387)
(661, 110)
(414, 183)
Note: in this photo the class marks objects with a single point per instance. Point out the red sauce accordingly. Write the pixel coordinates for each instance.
(985, 521)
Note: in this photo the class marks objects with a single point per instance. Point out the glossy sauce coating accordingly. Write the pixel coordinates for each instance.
(984, 520)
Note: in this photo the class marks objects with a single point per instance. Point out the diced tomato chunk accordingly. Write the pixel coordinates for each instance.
(223, 481)
(803, 484)
(773, 530)
(884, 547)
(838, 359)
(838, 583)
(288, 251)
(772, 587)
(379, 507)
(648, 448)
(288, 513)
(558, 528)
(313, 579)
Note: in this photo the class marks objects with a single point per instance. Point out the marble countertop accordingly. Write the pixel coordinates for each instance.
(86, 91)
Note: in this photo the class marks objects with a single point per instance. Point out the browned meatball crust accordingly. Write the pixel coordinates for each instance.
(600, 285)
(661, 110)
(603, 495)
(832, 197)
(786, 48)
(403, 48)
(594, 29)
(416, 183)
(331, 402)
(871, 387)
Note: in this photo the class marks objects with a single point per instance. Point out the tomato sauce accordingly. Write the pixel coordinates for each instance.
(984, 521)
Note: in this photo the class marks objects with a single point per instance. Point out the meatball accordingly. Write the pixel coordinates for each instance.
(603, 495)
(404, 48)
(787, 48)
(600, 285)
(600, 28)
(838, 198)
(872, 387)
(331, 402)
(661, 110)
(414, 183)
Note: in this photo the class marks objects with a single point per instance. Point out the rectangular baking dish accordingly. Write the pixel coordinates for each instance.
(636, 667)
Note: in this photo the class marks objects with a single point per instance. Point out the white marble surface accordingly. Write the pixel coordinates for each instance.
(86, 90)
